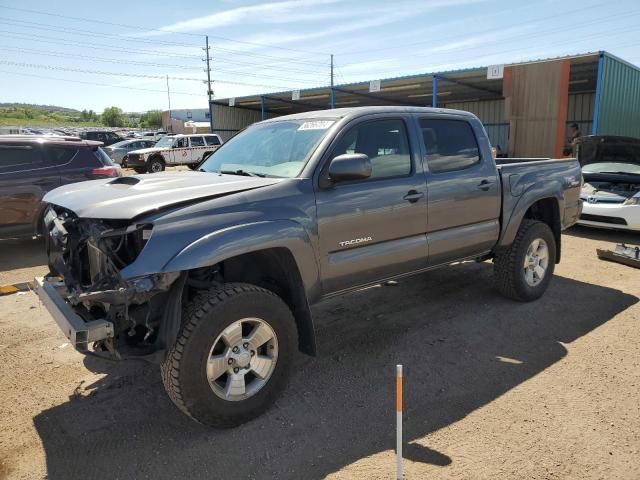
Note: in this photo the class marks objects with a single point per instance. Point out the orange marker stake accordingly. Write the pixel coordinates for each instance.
(399, 422)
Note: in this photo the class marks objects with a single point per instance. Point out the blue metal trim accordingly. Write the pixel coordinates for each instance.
(434, 94)
(261, 107)
(596, 107)
(332, 96)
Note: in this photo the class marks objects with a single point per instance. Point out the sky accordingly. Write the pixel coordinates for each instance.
(92, 55)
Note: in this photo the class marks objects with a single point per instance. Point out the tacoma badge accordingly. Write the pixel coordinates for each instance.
(355, 241)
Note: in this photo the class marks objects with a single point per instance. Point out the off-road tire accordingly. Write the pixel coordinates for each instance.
(152, 162)
(204, 318)
(508, 268)
(140, 169)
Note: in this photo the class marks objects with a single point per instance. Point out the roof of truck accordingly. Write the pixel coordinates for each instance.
(357, 111)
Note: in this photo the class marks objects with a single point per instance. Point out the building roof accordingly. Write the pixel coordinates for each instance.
(455, 86)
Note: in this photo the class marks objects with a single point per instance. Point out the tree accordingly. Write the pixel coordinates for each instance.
(113, 117)
(153, 118)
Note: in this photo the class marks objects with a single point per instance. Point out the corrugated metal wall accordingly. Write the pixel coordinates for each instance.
(580, 111)
(536, 103)
(619, 111)
(491, 114)
(227, 121)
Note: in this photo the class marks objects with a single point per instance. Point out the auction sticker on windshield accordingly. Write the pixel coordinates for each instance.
(317, 125)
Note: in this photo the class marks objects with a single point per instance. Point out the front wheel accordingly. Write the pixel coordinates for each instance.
(523, 271)
(233, 355)
(155, 165)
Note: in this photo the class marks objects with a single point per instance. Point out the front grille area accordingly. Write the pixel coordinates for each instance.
(603, 219)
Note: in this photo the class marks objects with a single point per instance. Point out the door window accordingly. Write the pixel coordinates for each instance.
(450, 144)
(197, 141)
(181, 142)
(386, 144)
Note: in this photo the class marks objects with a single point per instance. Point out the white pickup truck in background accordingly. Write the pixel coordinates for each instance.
(172, 150)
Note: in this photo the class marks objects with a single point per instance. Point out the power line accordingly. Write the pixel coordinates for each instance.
(55, 28)
(119, 74)
(137, 28)
(509, 39)
(96, 84)
(93, 20)
(457, 35)
(260, 55)
(116, 61)
(100, 46)
(94, 72)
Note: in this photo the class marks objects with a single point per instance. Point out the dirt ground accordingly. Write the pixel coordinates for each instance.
(493, 389)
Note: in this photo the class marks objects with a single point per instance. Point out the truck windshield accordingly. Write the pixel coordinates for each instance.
(165, 142)
(274, 149)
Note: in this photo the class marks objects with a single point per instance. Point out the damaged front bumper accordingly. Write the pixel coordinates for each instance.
(81, 333)
(97, 308)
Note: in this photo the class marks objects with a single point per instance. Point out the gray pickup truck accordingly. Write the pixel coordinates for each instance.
(212, 273)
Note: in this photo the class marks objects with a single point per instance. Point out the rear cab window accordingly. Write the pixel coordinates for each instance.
(449, 144)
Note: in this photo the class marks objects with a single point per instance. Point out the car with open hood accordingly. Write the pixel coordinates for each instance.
(611, 190)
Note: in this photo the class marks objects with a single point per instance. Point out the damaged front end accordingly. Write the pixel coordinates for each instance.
(86, 257)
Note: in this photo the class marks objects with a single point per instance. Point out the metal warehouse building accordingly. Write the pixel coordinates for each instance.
(525, 107)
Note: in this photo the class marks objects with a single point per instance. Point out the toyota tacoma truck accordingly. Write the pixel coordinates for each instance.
(211, 273)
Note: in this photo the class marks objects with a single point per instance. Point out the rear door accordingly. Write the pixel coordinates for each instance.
(375, 228)
(26, 176)
(179, 154)
(198, 147)
(463, 191)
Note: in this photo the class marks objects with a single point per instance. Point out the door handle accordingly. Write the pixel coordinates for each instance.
(484, 185)
(413, 196)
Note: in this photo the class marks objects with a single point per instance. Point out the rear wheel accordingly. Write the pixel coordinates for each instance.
(233, 355)
(155, 165)
(523, 271)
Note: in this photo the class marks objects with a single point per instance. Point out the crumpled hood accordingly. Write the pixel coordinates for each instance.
(124, 198)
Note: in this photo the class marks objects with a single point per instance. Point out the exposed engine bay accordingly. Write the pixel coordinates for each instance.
(610, 184)
(627, 190)
(88, 255)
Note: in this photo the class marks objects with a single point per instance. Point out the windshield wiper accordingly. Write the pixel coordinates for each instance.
(244, 173)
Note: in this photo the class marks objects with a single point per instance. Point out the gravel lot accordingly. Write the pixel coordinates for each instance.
(493, 389)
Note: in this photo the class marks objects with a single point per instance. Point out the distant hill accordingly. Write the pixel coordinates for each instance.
(42, 108)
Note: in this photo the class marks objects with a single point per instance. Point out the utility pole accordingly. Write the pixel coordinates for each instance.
(333, 95)
(169, 98)
(209, 90)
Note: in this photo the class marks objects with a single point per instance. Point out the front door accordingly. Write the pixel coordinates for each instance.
(373, 229)
(464, 195)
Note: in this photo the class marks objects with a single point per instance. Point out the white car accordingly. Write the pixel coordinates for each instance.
(173, 150)
(611, 195)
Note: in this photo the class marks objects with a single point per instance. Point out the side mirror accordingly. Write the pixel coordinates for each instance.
(350, 166)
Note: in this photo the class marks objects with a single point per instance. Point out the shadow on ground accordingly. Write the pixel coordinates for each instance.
(602, 234)
(462, 346)
(22, 253)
